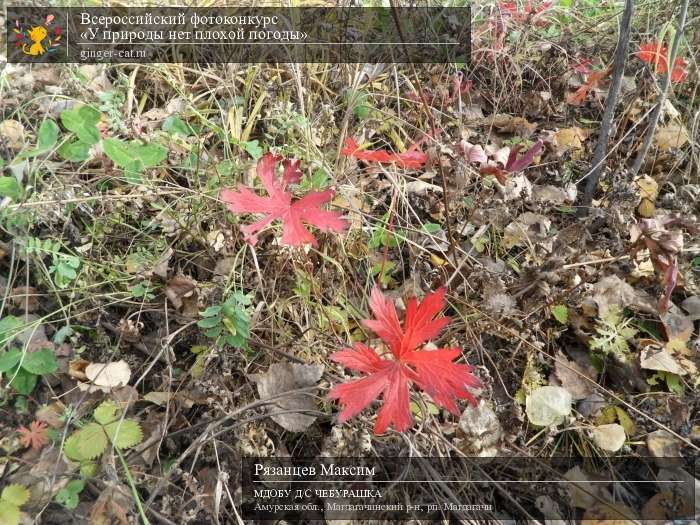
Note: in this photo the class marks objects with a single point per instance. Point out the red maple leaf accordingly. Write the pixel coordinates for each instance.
(280, 205)
(412, 158)
(579, 96)
(656, 55)
(36, 436)
(433, 371)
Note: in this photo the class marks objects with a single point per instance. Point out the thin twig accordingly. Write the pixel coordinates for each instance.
(665, 84)
(611, 102)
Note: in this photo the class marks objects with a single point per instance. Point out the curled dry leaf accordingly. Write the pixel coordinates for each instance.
(609, 437)
(529, 229)
(481, 428)
(105, 376)
(671, 136)
(653, 357)
(180, 287)
(572, 377)
(613, 291)
(548, 405)
(13, 133)
(287, 377)
(663, 444)
(604, 513)
(668, 506)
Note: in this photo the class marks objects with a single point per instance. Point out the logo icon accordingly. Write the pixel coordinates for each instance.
(40, 39)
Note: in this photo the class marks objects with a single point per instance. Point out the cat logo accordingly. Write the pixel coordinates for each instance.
(39, 39)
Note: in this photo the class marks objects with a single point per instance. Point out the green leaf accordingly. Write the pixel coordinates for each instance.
(213, 332)
(560, 313)
(87, 443)
(46, 139)
(105, 413)
(10, 359)
(9, 187)
(88, 469)
(253, 148)
(9, 328)
(211, 311)
(22, 381)
(9, 513)
(76, 151)
(151, 155)
(40, 362)
(674, 384)
(174, 125)
(15, 494)
(83, 122)
(121, 154)
(431, 227)
(133, 157)
(68, 496)
(209, 322)
(124, 433)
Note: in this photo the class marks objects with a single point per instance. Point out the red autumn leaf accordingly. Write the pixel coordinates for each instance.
(657, 55)
(582, 66)
(412, 158)
(433, 371)
(528, 11)
(36, 436)
(513, 164)
(279, 205)
(579, 96)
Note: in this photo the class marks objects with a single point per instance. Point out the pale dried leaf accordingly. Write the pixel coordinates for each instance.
(286, 377)
(548, 405)
(105, 376)
(609, 437)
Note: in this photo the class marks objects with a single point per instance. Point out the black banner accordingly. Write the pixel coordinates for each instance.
(242, 34)
(296, 489)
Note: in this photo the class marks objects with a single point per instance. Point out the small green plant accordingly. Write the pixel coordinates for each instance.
(134, 157)
(383, 236)
(383, 271)
(11, 500)
(673, 381)
(64, 266)
(112, 103)
(228, 323)
(89, 442)
(69, 496)
(24, 368)
(613, 333)
(560, 313)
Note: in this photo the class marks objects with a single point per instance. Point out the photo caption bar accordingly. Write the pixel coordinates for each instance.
(241, 34)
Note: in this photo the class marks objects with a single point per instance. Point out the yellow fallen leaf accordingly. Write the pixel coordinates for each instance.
(646, 208)
(648, 187)
(671, 136)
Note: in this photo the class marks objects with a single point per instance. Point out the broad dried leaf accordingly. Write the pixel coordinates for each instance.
(286, 377)
(572, 377)
(279, 205)
(653, 357)
(105, 376)
(481, 428)
(548, 405)
(609, 437)
(671, 136)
